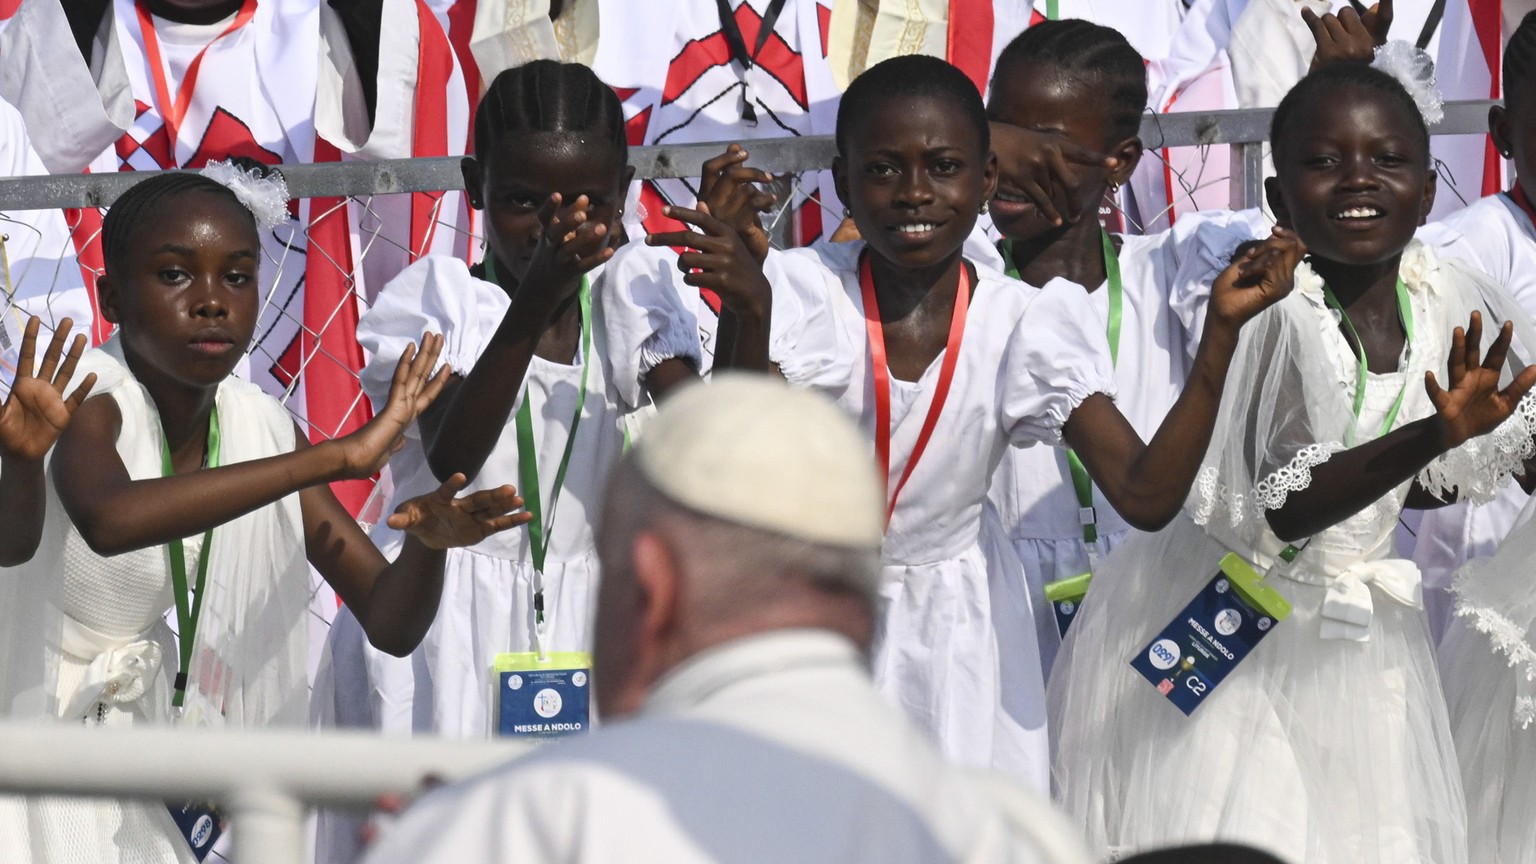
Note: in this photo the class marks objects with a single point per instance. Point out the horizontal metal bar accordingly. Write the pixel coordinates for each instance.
(777, 155)
(345, 769)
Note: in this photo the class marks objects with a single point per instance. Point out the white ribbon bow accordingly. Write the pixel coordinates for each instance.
(1347, 606)
(117, 676)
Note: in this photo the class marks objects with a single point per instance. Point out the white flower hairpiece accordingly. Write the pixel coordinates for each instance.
(265, 194)
(1415, 70)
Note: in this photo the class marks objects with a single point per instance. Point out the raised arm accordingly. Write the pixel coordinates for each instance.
(1474, 405)
(115, 513)
(1147, 483)
(33, 416)
(460, 434)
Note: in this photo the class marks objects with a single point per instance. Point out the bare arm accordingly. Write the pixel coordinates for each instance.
(1147, 483)
(115, 513)
(460, 436)
(33, 416)
(1350, 481)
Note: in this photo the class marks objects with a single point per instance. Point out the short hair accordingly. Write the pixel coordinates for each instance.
(133, 208)
(549, 96)
(1090, 51)
(906, 78)
(1520, 59)
(1323, 83)
(747, 565)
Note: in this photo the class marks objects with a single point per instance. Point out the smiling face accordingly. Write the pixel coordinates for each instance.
(1044, 99)
(184, 294)
(523, 170)
(914, 176)
(1353, 180)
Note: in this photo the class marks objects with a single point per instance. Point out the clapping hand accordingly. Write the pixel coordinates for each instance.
(729, 191)
(441, 519)
(366, 451)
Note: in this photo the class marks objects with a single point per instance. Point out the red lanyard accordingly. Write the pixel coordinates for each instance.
(173, 112)
(1517, 195)
(882, 370)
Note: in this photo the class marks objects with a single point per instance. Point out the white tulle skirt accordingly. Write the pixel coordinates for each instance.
(1322, 751)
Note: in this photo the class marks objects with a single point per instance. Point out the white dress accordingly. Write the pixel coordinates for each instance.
(957, 647)
(1329, 743)
(487, 603)
(85, 640)
(1496, 237)
(1489, 669)
(1166, 280)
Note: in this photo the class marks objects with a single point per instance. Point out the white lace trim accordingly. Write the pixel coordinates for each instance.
(1479, 468)
(1269, 493)
(1504, 636)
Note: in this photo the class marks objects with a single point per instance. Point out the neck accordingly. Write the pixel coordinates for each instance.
(211, 13)
(902, 290)
(1074, 252)
(1351, 283)
(183, 409)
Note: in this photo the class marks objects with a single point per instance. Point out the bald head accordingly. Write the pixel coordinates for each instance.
(678, 580)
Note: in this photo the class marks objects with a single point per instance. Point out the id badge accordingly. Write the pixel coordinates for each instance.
(1196, 652)
(200, 826)
(1066, 597)
(544, 698)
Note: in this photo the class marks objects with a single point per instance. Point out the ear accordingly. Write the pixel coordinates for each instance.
(1498, 129)
(989, 176)
(106, 297)
(840, 179)
(1128, 154)
(658, 584)
(474, 179)
(1276, 202)
(1431, 183)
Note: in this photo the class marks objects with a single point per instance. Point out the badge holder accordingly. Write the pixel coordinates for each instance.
(1066, 597)
(542, 697)
(1200, 647)
(200, 825)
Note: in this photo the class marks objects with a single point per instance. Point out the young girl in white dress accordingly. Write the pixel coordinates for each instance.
(946, 364)
(537, 342)
(1329, 743)
(176, 485)
(1487, 661)
(1066, 94)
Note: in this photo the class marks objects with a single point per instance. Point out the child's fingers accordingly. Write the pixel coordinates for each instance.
(51, 356)
(434, 386)
(28, 354)
(1456, 363)
(699, 218)
(1520, 386)
(687, 239)
(71, 361)
(450, 488)
(1499, 350)
(505, 521)
(587, 263)
(548, 209)
(1312, 21)
(76, 398)
(715, 166)
(403, 369)
(1473, 341)
(1437, 394)
(498, 500)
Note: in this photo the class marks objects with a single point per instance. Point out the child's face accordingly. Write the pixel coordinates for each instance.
(1043, 99)
(1354, 181)
(1514, 132)
(914, 176)
(188, 297)
(514, 180)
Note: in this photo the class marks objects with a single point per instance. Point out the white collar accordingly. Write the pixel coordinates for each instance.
(697, 679)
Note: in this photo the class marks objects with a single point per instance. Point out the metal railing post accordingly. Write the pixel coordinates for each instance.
(267, 826)
(1247, 175)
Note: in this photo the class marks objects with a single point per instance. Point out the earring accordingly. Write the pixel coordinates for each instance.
(982, 209)
(1114, 188)
(847, 214)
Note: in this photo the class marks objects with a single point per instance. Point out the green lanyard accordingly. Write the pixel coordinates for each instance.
(540, 528)
(1404, 312)
(1082, 484)
(189, 608)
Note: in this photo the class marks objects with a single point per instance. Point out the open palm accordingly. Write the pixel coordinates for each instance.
(36, 411)
(1474, 405)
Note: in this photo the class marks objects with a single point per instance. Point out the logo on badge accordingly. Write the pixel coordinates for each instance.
(546, 703)
(1067, 607)
(202, 831)
(1227, 621)
(1221, 586)
(1163, 654)
(579, 679)
(1264, 623)
(515, 682)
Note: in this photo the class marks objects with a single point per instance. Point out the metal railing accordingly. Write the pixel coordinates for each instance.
(1246, 128)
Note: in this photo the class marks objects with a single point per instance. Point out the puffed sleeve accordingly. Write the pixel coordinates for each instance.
(806, 339)
(1195, 250)
(1056, 356)
(438, 295)
(646, 316)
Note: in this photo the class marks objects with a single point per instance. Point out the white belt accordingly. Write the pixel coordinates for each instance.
(1347, 606)
(119, 673)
